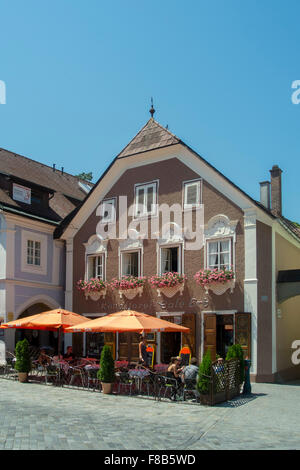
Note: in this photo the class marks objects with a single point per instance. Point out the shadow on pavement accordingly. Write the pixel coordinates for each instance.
(241, 400)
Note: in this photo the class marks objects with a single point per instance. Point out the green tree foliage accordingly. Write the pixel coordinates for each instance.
(106, 372)
(85, 176)
(236, 352)
(23, 362)
(204, 373)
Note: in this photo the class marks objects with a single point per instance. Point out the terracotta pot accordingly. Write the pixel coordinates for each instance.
(106, 387)
(23, 377)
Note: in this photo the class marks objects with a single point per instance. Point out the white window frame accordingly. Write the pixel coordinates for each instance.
(218, 241)
(144, 187)
(186, 184)
(112, 218)
(127, 252)
(26, 236)
(36, 247)
(179, 257)
(89, 266)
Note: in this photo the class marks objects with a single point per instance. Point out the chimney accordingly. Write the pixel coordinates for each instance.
(62, 170)
(276, 197)
(53, 166)
(265, 194)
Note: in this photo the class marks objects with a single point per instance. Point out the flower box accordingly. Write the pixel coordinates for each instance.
(129, 286)
(216, 280)
(93, 288)
(168, 284)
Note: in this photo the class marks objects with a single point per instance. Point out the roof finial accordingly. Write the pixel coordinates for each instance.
(151, 110)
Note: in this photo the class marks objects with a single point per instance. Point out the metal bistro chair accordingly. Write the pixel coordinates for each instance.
(190, 388)
(52, 372)
(125, 382)
(92, 377)
(10, 370)
(168, 384)
(76, 374)
(148, 383)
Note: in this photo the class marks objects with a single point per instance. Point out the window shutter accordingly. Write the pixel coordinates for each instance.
(243, 332)
(110, 340)
(210, 334)
(189, 320)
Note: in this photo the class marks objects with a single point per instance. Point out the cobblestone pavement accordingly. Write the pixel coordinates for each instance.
(36, 417)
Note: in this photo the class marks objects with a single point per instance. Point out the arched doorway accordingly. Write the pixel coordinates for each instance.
(37, 338)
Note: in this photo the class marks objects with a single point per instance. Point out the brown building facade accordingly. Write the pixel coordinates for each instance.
(154, 171)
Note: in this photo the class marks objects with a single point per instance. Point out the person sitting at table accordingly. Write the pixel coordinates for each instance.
(190, 372)
(43, 359)
(174, 369)
(69, 356)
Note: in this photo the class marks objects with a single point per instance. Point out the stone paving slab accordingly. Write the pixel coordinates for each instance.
(38, 417)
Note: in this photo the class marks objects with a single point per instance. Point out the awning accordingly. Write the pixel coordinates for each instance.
(288, 284)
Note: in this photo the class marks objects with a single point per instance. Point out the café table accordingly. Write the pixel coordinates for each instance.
(138, 375)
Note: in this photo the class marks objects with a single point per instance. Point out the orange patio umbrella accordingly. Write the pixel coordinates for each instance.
(52, 320)
(127, 320)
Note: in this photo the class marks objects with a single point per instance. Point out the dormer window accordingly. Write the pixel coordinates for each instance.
(21, 193)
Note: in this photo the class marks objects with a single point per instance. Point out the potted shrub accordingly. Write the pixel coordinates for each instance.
(23, 362)
(106, 373)
(204, 377)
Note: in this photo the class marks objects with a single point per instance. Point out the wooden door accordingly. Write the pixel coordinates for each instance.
(210, 334)
(189, 339)
(243, 332)
(123, 346)
(135, 341)
(129, 347)
(170, 343)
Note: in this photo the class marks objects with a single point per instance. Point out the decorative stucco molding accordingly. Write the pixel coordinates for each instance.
(95, 245)
(220, 226)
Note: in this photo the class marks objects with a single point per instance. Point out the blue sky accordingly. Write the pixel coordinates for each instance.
(79, 76)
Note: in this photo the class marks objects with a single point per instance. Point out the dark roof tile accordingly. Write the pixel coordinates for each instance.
(151, 136)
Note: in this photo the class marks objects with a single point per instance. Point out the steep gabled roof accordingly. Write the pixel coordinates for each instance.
(151, 136)
(40, 174)
(66, 191)
(290, 226)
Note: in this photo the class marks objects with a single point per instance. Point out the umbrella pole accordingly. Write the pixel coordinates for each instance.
(59, 342)
(129, 347)
(58, 352)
